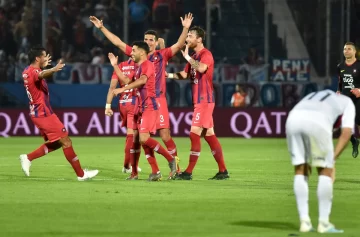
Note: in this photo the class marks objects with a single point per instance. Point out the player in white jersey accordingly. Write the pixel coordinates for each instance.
(309, 132)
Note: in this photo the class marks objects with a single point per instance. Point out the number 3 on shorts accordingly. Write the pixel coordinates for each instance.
(197, 117)
(161, 118)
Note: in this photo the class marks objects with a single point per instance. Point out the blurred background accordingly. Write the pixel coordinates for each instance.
(268, 53)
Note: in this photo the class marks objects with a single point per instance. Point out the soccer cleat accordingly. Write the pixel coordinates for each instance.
(132, 177)
(355, 147)
(172, 166)
(88, 174)
(128, 171)
(155, 177)
(25, 164)
(328, 228)
(221, 176)
(306, 226)
(183, 176)
(178, 170)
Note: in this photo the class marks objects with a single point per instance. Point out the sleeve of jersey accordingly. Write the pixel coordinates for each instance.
(207, 59)
(348, 117)
(128, 50)
(147, 70)
(35, 74)
(187, 68)
(166, 53)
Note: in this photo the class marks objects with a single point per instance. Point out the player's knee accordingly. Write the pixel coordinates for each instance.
(301, 169)
(210, 132)
(196, 130)
(325, 171)
(165, 134)
(66, 142)
(143, 138)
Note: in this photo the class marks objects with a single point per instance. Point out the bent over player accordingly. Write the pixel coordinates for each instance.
(309, 134)
(200, 69)
(349, 85)
(42, 115)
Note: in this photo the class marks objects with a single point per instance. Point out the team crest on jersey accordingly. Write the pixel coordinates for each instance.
(25, 75)
(354, 70)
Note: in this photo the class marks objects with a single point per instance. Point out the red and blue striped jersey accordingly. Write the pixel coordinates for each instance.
(202, 83)
(160, 59)
(128, 69)
(38, 93)
(147, 91)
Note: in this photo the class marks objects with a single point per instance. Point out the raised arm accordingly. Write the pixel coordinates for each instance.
(110, 36)
(186, 23)
(49, 72)
(114, 62)
(197, 65)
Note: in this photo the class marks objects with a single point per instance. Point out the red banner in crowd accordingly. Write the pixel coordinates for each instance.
(229, 122)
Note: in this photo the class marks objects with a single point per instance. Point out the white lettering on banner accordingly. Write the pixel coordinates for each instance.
(117, 124)
(278, 116)
(95, 123)
(244, 132)
(262, 123)
(36, 130)
(70, 119)
(5, 132)
(22, 124)
(175, 122)
(188, 121)
(107, 125)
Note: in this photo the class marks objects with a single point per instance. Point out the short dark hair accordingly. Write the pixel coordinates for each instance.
(200, 32)
(34, 52)
(351, 44)
(142, 45)
(152, 32)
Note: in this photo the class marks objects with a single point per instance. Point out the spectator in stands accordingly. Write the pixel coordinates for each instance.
(215, 13)
(163, 12)
(139, 14)
(250, 62)
(98, 56)
(238, 99)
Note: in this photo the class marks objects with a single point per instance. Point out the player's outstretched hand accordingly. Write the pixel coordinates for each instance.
(47, 60)
(113, 59)
(59, 66)
(118, 91)
(97, 23)
(186, 51)
(109, 112)
(186, 22)
(356, 92)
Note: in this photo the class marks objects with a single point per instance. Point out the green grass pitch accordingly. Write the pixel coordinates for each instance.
(258, 200)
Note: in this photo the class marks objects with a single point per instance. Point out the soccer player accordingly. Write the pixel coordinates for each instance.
(148, 114)
(309, 137)
(199, 69)
(160, 59)
(127, 103)
(349, 85)
(42, 115)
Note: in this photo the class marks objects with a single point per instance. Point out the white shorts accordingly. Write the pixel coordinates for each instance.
(309, 139)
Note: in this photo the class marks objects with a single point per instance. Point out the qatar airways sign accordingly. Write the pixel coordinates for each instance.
(229, 122)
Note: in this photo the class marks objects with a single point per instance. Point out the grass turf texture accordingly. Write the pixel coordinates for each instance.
(258, 200)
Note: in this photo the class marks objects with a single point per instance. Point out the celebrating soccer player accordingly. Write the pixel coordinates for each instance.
(42, 115)
(349, 85)
(199, 69)
(160, 59)
(309, 137)
(127, 104)
(148, 114)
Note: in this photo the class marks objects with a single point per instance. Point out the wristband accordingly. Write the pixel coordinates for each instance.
(108, 106)
(187, 57)
(170, 75)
